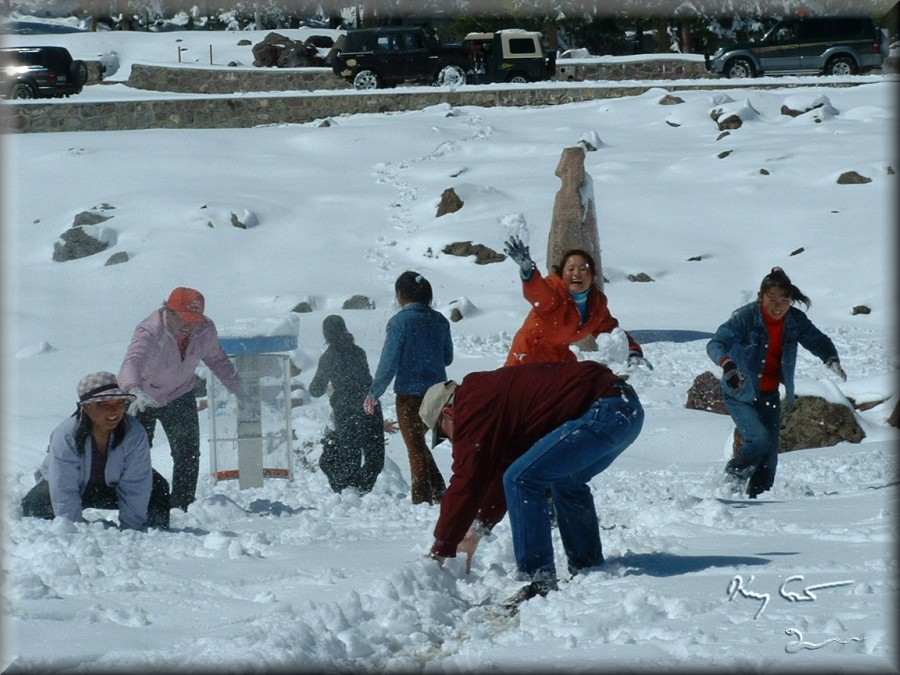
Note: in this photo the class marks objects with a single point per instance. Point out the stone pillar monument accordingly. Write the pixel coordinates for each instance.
(574, 222)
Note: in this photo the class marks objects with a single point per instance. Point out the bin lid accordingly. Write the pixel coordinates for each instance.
(260, 335)
(260, 344)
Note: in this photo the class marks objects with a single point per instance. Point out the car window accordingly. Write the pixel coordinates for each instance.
(521, 46)
(413, 42)
(386, 43)
(812, 30)
(25, 58)
(784, 32)
(851, 29)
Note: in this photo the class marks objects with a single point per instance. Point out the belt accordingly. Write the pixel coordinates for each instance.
(620, 388)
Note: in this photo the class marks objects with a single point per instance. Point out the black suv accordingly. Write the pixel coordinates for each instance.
(40, 72)
(370, 58)
(829, 45)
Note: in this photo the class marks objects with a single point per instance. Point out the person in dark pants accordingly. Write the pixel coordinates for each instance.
(757, 350)
(353, 451)
(100, 458)
(158, 370)
(516, 432)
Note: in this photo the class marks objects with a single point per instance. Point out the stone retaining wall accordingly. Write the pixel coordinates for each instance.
(246, 111)
(328, 96)
(225, 80)
(651, 69)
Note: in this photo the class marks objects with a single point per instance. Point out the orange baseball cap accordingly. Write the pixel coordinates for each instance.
(187, 303)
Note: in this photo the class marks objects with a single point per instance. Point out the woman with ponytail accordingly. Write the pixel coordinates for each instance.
(417, 349)
(757, 351)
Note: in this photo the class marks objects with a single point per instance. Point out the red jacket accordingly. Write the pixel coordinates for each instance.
(497, 416)
(554, 322)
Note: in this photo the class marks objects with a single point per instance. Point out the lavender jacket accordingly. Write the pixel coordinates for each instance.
(153, 361)
(128, 471)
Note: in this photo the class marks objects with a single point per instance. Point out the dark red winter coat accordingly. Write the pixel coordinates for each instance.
(554, 322)
(497, 416)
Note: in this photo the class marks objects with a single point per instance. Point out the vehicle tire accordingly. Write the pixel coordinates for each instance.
(740, 68)
(22, 90)
(78, 71)
(367, 79)
(841, 65)
(518, 77)
(451, 76)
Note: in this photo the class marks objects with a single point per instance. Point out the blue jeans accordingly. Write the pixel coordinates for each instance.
(565, 460)
(760, 424)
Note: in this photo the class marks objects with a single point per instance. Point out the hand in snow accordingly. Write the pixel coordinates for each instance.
(390, 426)
(468, 546)
(636, 359)
(835, 366)
(518, 251)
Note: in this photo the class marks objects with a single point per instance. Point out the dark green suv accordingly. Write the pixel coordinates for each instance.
(40, 72)
(828, 45)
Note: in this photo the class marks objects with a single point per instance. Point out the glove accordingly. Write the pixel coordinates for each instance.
(141, 401)
(835, 366)
(369, 405)
(733, 376)
(518, 251)
(636, 359)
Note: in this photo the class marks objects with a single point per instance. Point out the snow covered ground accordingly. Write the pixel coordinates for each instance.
(291, 575)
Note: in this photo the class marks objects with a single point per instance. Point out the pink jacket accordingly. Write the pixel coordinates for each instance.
(154, 363)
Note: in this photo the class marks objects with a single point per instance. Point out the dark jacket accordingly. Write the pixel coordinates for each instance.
(497, 416)
(344, 366)
(745, 340)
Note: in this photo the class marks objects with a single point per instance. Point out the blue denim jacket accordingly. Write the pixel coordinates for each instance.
(417, 349)
(745, 340)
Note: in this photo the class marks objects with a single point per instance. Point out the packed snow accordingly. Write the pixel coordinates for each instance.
(290, 575)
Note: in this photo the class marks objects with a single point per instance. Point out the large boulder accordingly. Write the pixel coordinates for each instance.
(283, 52)
(814, 422)
(706, 394)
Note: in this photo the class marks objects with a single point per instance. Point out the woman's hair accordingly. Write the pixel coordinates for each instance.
(778, 279)
(335, 331)
(83, 431)
(576, 251)
(413, 287)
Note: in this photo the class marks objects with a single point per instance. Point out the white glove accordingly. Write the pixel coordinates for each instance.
(141, 401)
(835, 366)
